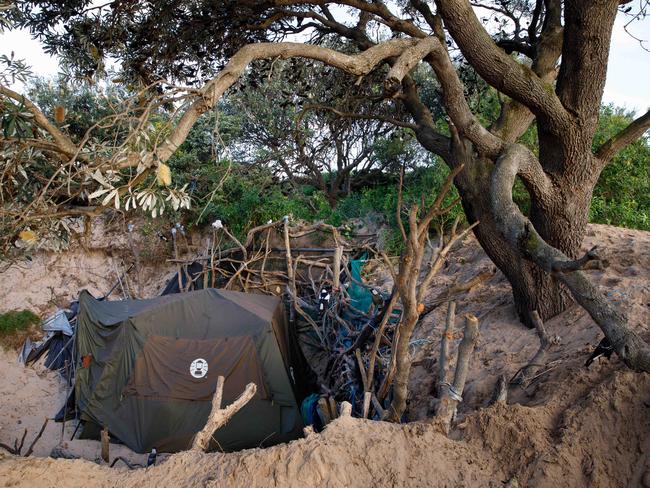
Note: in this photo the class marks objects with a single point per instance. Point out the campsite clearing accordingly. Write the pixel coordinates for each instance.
(592, 430)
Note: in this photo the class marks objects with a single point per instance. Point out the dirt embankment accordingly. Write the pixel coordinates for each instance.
(43, 280)
(571, 427)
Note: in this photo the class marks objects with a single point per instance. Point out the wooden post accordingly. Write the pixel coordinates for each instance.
(105, 444)
(346, 409)
(447, 336)
(452, 396)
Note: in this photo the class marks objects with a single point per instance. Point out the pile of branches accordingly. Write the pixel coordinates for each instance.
(356, 338)
(334, 311)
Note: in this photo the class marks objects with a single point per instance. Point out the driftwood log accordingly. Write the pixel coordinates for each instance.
(219, 417)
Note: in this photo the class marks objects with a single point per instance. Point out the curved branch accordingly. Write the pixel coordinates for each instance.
(426, 133)
(519, 231)
(497, 68)
(63, 142)
(359, 64)
(627, 136)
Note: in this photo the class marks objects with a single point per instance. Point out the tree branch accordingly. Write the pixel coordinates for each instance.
(497, 68)
(627, 136)
(62, 141)
(359, 64)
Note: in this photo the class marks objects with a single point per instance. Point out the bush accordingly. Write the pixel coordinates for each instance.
(622, 194)
(244, 196)
(17, 320)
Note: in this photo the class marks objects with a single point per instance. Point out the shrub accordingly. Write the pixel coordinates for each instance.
(16, 320)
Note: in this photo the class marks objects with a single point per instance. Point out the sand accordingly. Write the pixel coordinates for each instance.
(571, 427)
(43, 281)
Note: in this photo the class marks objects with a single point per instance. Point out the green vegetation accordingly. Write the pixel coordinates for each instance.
(17, 320)
(622, 195)
(229, 166)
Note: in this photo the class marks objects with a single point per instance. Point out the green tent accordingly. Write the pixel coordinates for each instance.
(147, 369)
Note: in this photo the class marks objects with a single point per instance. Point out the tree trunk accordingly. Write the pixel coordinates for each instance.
(561, 223)
(403, 370)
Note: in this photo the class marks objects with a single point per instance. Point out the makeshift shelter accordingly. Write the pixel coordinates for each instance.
(147, 369)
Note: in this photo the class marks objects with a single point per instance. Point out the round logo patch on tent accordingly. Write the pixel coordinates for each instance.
(199, 368)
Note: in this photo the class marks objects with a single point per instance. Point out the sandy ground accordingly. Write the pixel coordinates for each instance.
(571, 427)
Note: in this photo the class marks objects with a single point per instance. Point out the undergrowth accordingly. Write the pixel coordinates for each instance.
(16, 325)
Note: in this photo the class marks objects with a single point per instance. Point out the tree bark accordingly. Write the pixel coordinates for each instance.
(403, 368)
(532, 288)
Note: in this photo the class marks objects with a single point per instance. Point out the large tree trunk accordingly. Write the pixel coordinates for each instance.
(561, 222)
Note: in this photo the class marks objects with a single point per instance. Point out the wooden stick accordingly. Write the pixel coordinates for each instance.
(236, 241)
(219, 417)
(453, 395)
(362, 369)
(447, 336)
(367, 398)
(457, 289)
(179, 273)
(375, 403)
(324, 409)
(378, 335)
(17, 448)
(218, 393)
(346, 409)
(289, 259)
(388, 380)
(337, 268)
(105, 444)
(332, 404)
